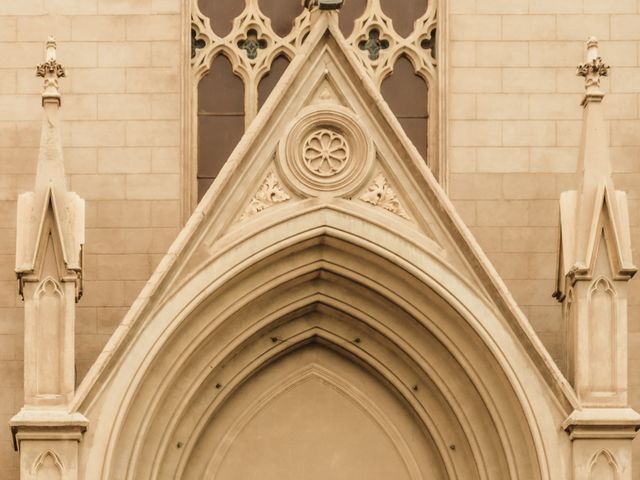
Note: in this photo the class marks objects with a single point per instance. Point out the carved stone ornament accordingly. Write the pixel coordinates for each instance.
(593, 70)
(51, 71)
(269, 194)
(380, 194)
(48, 461)
(52, 67)
(325, 153)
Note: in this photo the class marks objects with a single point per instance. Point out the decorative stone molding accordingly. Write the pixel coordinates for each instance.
(40, 462)
(51, 71)
(253, 45)
(49, 263)
(593, 70)
(269, 194)
(603, 462)
(380, 194)
(377, 44)
(594, 267)
(325, 153)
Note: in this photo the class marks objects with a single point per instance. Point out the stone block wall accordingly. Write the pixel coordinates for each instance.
(122, 135)
(514, 131)
(514, 128)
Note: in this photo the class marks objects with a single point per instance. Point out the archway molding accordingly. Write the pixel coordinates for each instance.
(300, 266)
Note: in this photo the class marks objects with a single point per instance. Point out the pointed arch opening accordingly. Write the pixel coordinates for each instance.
(603, 466)
(318, 290)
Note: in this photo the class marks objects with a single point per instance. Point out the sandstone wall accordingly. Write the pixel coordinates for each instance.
(121, 112)
(514, 126)
(514, 130)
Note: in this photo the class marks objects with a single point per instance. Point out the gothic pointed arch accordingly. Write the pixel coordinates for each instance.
(47, 464)
(325, 273)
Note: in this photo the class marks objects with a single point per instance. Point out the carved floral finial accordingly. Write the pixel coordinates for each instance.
(51, 71)
(593, 69)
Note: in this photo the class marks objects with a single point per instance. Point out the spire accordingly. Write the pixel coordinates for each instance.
(50, 167)
(594, 269)
(596, 209)
(594, 163)
(592, 70)
(50, 211)
(595, 257)
(51, 71)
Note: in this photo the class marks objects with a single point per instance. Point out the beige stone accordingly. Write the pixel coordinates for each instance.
(124, 54)
(124, 160)
(156, 28)
(580, 27)
(503, 106)
(152, 186)
(524, 186)
(462, 54)
(528, 80)
(529, 27)
(472, 80)
(555, 54)
(511, 122)
(124, 106)
(484, 133)
(502, 160)
(501, 54)
(533, 133)
(624, 27)
(152, 80)
(476, 27)
(98, 28)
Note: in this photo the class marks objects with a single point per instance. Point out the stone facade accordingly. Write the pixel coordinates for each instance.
(512, 121)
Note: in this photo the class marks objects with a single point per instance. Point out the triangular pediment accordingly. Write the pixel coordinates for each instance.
(591, 224)
(326, 144)
(326, 99)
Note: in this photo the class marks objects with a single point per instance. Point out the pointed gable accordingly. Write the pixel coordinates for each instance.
(327, 141)
(50, 212)
(596, 211)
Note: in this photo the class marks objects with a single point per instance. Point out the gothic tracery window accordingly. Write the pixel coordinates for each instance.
(239, 50)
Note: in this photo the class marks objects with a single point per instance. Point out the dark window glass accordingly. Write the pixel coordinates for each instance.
(221, 14)
(282, 14)
(404, 13)
(407, 95)
(350, 11)
(220, 120)
(269, 81)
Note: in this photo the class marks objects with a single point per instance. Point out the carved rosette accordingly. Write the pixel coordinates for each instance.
(325, 153)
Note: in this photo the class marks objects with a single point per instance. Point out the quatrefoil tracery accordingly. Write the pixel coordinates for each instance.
(253, 45)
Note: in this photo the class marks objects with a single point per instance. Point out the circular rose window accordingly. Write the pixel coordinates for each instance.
(325, 153)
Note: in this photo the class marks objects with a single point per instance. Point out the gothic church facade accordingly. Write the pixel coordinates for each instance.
(329, 239)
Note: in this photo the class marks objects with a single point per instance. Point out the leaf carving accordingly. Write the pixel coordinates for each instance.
(380, 194)
(269, 194)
